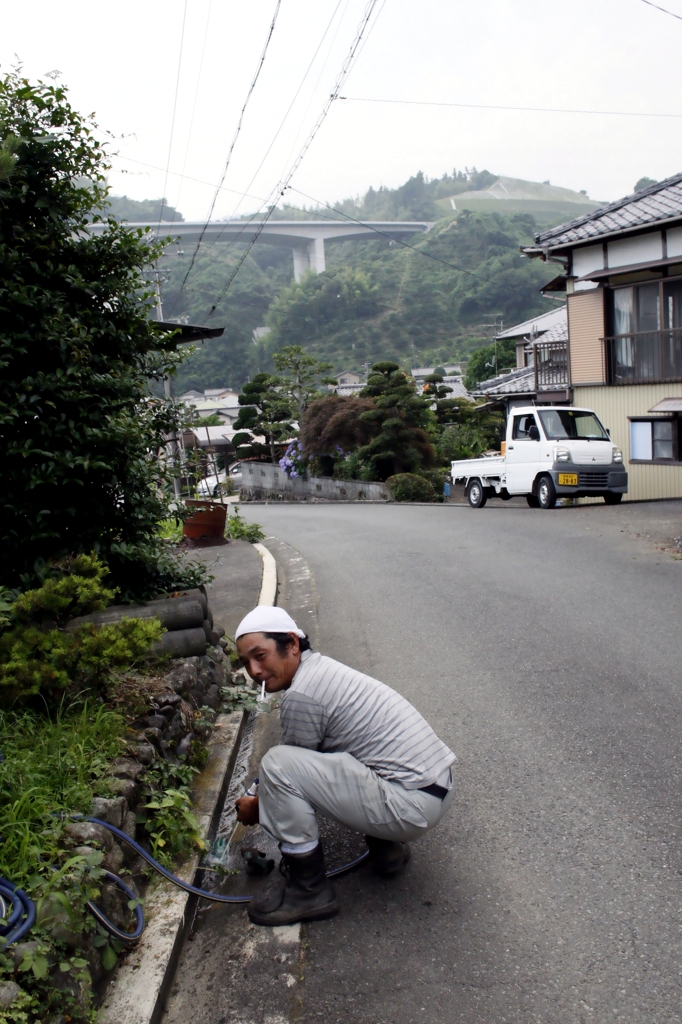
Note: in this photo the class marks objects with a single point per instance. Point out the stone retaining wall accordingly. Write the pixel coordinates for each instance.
(264, 482)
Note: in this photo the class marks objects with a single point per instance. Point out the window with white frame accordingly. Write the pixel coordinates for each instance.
(655, 440)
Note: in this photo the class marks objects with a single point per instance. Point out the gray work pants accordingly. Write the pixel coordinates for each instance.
(296, 783)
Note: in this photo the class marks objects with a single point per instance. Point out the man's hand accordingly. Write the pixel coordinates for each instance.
(247, 810)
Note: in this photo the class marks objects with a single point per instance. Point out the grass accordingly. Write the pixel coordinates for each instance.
(50, 767)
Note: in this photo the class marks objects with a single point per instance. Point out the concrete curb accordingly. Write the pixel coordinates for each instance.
(139, 990)
(268, 588)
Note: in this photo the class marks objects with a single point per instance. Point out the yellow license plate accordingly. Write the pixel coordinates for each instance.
(568, 479)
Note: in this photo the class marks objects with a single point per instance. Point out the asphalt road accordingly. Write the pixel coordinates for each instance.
(544, 649)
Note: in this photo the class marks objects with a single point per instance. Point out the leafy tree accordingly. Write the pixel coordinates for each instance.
(644, 183)
(326, 303)
(332, 427)
(482, 364)
(77, 350)
(402, 422)
(437, 394)
(266, 411)
(471, 431)
(303, 376)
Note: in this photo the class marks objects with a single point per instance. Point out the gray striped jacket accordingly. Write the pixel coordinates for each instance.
(331, 707)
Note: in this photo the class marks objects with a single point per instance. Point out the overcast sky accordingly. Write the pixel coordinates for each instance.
(121, 60)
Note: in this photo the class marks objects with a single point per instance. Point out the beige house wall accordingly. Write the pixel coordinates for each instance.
(613, 405)
(585, 330)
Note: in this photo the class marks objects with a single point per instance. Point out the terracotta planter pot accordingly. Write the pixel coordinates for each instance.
(207, 521)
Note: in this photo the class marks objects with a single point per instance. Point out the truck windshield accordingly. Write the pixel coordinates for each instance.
(560, 424)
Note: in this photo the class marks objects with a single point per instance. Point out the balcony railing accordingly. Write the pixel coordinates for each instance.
(551, 363)
(650, 357)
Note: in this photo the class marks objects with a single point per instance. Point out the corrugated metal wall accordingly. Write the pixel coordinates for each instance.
(586, 329)
(613, 405)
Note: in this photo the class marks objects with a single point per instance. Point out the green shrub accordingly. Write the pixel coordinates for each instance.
(75, 587)
(410, 487)
(238, 528)
(34, 661)
(38, 656)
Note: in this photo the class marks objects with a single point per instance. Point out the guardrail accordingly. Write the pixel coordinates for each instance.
(551, 363)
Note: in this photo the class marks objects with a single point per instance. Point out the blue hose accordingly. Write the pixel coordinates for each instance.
(21, 916)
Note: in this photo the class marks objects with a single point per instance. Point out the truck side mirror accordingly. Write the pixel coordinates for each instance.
(533, 432)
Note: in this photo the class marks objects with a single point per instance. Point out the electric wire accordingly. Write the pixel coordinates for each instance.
(283, 185)
(288, 111)
(256, 76)
(264, 202)
(396, 241)
(175, 107)
(496, 106)
(194, 108)
(188, 177)
(665, 11)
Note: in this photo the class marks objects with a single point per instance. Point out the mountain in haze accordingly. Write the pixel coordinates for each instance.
(142, 210)
(430, 301)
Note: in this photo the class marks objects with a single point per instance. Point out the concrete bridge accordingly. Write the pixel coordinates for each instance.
(305, 237)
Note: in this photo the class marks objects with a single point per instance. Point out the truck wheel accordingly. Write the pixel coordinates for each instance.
(532, 501)
(546, 492)
(613, 499)
(476, 494)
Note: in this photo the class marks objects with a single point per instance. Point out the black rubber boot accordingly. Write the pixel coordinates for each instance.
(387, 857)
(307, 894)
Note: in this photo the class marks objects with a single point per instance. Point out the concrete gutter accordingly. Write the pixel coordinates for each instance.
(138, 992)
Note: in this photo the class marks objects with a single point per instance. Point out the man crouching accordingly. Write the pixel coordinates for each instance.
(351, 749)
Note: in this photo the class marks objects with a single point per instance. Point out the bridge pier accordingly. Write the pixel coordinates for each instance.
(309, 258)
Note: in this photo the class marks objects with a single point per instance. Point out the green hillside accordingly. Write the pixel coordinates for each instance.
(376, 300)
(548, 204)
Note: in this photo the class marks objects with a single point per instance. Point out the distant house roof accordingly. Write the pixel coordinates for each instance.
(552, 325)
(458, 389)
(516, 382)
(426, 371)
(656, 204)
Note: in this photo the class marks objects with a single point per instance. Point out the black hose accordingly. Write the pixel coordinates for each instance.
(108, 925)
(18, 911)
(203, 892)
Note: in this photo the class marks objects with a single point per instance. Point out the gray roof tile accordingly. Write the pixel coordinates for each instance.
(659, 202)
(547, 322)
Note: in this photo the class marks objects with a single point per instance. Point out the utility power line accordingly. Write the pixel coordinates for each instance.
(397, 241)
(259, 68)
(175, 107)
(665, 11)
(496, 106)
(282, 122)
(194, 107)
(283, 184)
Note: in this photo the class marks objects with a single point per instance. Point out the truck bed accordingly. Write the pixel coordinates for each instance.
(485, 466)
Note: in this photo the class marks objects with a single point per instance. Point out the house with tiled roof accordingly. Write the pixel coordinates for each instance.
(621, 270)
(541, 357)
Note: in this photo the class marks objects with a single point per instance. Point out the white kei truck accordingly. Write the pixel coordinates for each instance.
(549, 453)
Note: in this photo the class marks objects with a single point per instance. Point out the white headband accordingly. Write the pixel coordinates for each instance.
(265, 619)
